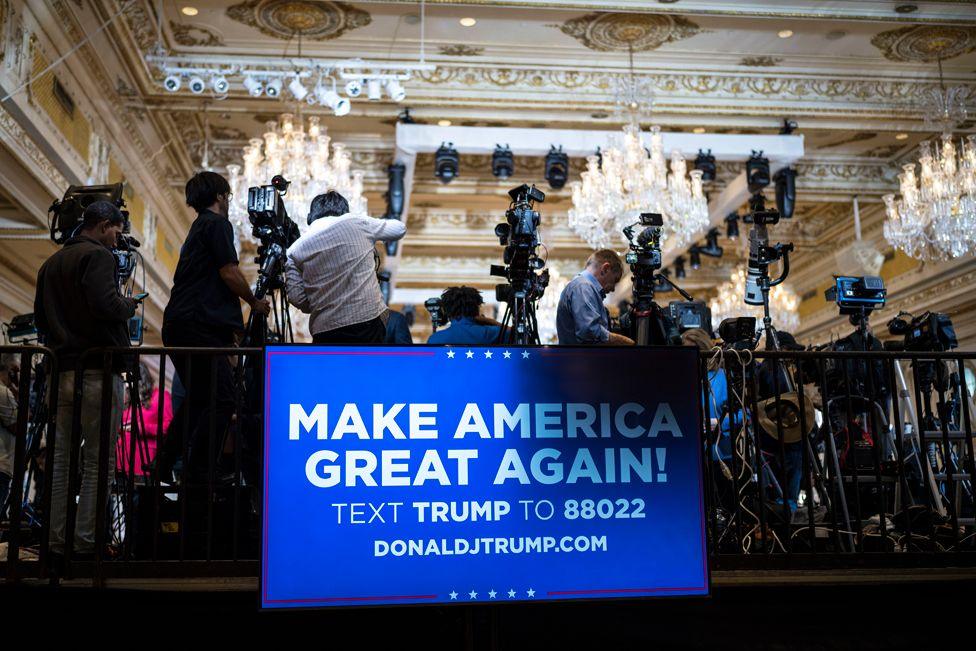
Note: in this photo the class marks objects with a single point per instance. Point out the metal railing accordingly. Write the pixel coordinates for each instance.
(813, 459)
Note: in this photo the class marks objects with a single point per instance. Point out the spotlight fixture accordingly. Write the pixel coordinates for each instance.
(757, 172)
(705, 162)
(273, 89)
(196, 85)
(220, 84)
(694, 255)
(394, 199)
(679, 267)
(373, 90)
(354, 87)
(557, 167)
(329, 97)
(785, 191)
(253, 86)
(732, 226)
(502, 162)
(395, 90)
(172, 83)
(711, 248)
(446, 162)
(297, 89)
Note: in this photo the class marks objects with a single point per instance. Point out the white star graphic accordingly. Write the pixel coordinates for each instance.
(511, 594)
(488, 354)
(525, 354)
(473, 594)
(530, 592)
(469, 354)
(491, 594)
(450, 354)
(453, 594)
(507, 355)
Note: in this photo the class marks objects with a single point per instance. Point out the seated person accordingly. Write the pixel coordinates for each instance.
(462, 305)
(719, 407)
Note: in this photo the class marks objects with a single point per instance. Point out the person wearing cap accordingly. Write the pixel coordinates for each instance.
(78, 307)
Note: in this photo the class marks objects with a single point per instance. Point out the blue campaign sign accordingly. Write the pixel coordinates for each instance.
(439, 475)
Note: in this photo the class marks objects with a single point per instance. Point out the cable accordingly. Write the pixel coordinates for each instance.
(125, 5)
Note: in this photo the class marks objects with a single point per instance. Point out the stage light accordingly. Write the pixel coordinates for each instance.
(328, 97)
(502, 162)
(354, 88)
(273, 89)
(253, 86)
(172, 83)
(557, 167)
(785, 191)
(679, 267)
(446, 162)
(373, 90)
(694, 255)
(196, 85)
(711, 248)
(732, 226)
(297, 90)
(220, 84)
(757, 172)
(706, 163)
(395, 90)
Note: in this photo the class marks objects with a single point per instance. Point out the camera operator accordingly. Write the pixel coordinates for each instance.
(581, 317)
(330, 272)
(462, 306)
(77, 307)
(204, 311)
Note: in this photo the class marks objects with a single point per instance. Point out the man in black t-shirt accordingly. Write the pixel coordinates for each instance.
(204, 311)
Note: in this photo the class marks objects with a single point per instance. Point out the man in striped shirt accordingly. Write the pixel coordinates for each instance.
(331, 272)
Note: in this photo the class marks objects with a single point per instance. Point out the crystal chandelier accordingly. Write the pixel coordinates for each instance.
(301, 156)
(627, 179)
(935, 216)
(783, 304)
(545, 310)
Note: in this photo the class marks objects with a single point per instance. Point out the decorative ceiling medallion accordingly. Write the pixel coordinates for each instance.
(925, 42)
(194, 35)
(312, 19)
(608, 32)
(461, 50)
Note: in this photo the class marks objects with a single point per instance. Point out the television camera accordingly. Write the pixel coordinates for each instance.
(761, 253)
(523, 268)
(435, 307)
(645, 322)
(67, 215)
(275, 232)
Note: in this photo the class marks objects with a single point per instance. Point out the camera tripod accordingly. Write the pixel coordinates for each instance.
(519, 325)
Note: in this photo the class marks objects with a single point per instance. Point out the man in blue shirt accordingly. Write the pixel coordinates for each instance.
(462, 305)
(581, 317)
